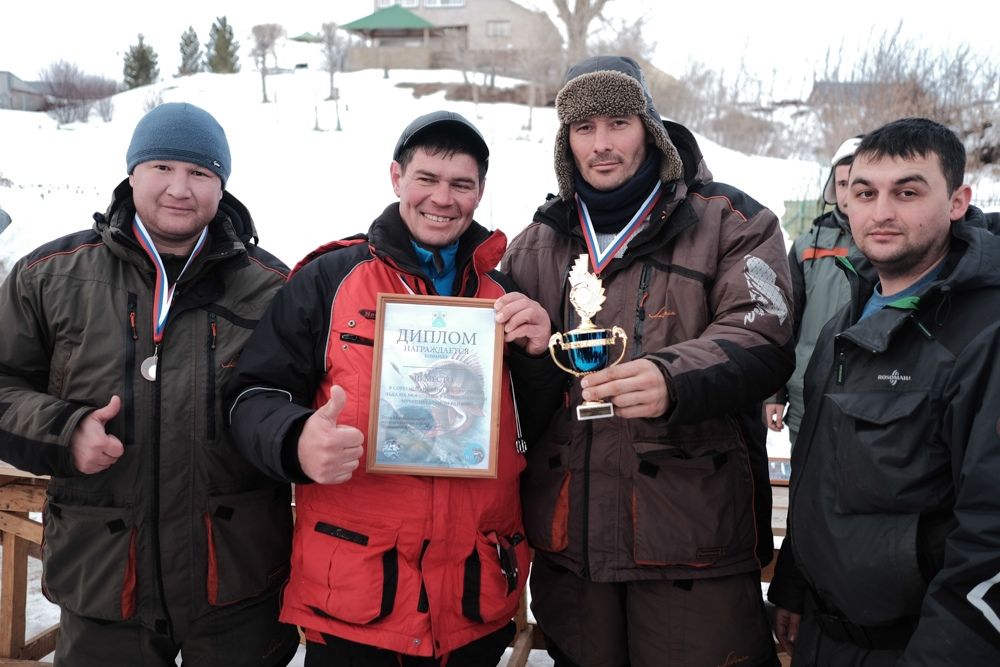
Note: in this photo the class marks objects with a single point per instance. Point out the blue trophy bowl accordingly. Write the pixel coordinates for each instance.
(587, 358)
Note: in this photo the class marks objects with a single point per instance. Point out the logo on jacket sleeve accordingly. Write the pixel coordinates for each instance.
(762, 282)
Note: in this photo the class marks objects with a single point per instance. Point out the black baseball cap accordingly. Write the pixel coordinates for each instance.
(439, 119)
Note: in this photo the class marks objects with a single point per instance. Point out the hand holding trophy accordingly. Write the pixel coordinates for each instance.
(587, 346)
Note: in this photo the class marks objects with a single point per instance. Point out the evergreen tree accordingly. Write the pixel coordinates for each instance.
(222, 48)
(191, 53)
(140, 65)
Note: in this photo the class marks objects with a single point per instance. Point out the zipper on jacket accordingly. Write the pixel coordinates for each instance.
(841, 361)
(154, 491)
(520, 444)
(920, 325)
(640, 310)
(213, 333)
(132, 335)
(586, 500)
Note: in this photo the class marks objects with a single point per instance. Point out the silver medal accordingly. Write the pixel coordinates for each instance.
(148, 368)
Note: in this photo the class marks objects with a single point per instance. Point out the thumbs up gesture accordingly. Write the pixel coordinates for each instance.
(91, 447)
(328, 452)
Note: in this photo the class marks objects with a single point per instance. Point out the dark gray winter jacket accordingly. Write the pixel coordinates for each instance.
(894, 503)
(181, 523)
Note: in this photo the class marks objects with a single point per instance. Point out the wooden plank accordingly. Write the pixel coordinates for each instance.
(522, 648)
(22, 497)
(21, 526)
(8, 662)
(779, 510)
(7, 470)
(13, 594)
(41, 644)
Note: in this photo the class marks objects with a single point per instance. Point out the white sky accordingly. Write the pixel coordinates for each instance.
(781, 40)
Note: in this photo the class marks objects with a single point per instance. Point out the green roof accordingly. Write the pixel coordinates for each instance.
(390, 18)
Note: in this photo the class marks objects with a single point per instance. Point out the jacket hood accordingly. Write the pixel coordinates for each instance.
(975, 262)
(233, 226)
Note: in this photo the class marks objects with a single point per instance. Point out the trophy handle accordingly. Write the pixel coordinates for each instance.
(618, 332)
(556, 339)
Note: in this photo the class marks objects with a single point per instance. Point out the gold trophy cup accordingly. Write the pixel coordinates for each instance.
(587, 347)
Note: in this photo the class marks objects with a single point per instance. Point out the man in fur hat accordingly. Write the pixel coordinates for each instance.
(651, 526)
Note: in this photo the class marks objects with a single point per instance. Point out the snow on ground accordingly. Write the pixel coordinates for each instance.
(305, 186)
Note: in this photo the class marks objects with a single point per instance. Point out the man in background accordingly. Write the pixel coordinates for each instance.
(893, 547)
(159, 537)
(819, 287)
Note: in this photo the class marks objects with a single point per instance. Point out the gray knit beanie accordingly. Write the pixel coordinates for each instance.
(608, 86)
(182, 132)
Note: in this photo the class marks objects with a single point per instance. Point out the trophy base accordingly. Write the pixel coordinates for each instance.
(594, 411)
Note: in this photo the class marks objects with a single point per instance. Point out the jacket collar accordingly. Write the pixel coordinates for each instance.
(971, 264)
(230, 232)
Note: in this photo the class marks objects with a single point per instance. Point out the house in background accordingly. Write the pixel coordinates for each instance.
(20, 95)
(500, 36)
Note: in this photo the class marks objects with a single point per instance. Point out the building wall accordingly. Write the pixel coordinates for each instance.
(486, 19)
(16, 94)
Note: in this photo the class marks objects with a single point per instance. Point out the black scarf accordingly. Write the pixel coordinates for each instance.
(611, 210)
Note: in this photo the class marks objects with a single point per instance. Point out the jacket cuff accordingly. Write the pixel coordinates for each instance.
(290, 465)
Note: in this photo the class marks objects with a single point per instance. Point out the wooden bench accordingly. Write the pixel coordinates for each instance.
(20, 493)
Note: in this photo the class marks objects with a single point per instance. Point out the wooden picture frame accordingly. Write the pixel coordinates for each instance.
(435, 395)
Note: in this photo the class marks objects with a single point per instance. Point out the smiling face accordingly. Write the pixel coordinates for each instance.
(608, 150)
(438, 194)
(901, 212)
(175, 201)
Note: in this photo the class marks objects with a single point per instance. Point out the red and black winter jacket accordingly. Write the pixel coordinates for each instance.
(406, 563)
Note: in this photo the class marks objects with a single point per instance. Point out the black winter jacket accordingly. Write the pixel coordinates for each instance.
(894, 503)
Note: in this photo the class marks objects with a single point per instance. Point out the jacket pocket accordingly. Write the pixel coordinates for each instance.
(89, 560)
(690, 509)
(884, 452)
(545, 487)
(493, 575)
(349, 571)
(249, 538)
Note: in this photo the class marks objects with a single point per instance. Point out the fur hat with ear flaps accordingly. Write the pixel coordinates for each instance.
(608, 86)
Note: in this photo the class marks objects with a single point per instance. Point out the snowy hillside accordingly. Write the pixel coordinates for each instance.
(303, 186)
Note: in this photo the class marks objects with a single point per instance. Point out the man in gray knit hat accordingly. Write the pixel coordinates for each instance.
(159, 537)
(650, 526)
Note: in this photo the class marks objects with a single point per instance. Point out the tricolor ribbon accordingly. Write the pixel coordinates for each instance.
(163, 291)
(601, 258)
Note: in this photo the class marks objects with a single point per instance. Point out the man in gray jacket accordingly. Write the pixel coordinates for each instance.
(819, 287)
(159, 537)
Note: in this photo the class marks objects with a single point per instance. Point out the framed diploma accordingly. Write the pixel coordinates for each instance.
(435, 397)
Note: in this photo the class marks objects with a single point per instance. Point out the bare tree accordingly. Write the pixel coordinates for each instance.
(333, 54)
(72, 93)
(625, 38)
(63, 81)
(265, 36)
(542, 66)
(577, 21)
(897, 78)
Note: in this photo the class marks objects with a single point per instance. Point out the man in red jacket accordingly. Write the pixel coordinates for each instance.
(392, 569)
